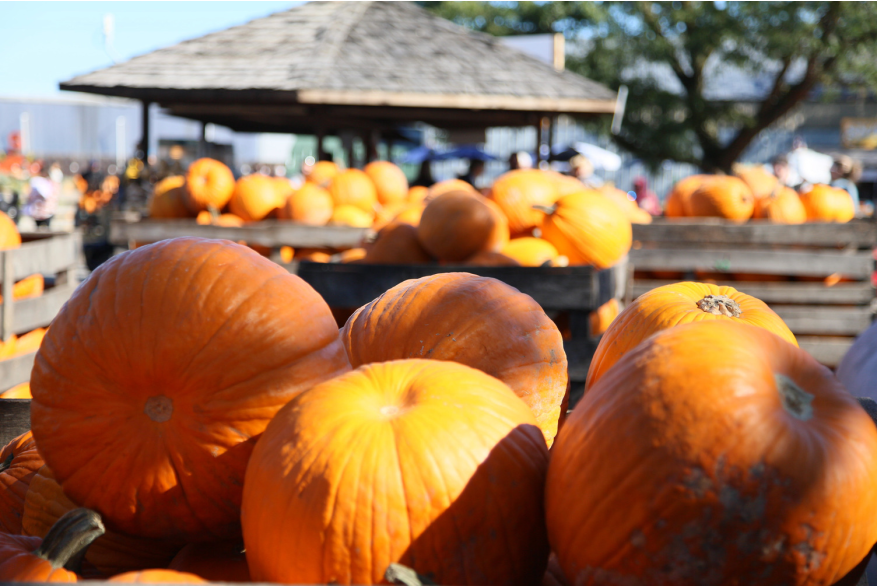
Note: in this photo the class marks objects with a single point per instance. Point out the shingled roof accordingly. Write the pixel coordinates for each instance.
(358, 54)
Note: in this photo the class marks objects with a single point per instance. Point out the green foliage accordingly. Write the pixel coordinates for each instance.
(801, 45)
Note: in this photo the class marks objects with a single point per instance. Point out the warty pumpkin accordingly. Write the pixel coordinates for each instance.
(455, 226)
(397, 244)
(169, 198)
(530, 251)
(517, 191)
(824, 203)
(153, 576)
(679, 303)
(677, 204)
(477, 321)
(783, 207)
(390, 181)
(255, 197)
(723, 197)
(214, 561)
(322, 173)
(310, 204)
(588, 229)
(352, 187)
(171, 382)
(20, 391)
(714, 453)
(349, 215)
(27, 559)
(10, 238)
(209, 184)
(19, 461)
(432, 464)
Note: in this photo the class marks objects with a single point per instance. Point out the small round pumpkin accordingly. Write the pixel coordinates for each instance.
(530, 251)
(417, 193)
(680, 303)
(447, 186)
(516, 192)
(169, 198)
(20, 391)
(19, 461)
(723, 197)
(418, 462)
(255, 197)
(477, 321)
(310, 204)
(354, 188)
(783, 207)
(389, 180)
(192, 406)
(214, 561)
(209, 183)
(10, 238)
(677, 204)
(349, 215)
(397, 244)
(824, 203)
(322, 173)
(588, 229)
(455, 226)
(714, 453)
(157, 576)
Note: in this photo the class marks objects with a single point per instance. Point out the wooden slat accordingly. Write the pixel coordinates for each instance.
(14, 419)
(268, 233)
(15, 370)
(825, 349)
(785, 293)
(40, 311)
(858, 233)
(855, 265)
(47, 256)
(825, 319)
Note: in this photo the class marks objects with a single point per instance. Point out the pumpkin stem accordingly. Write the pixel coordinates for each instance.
(546, 209)
(720, 306)
(401, 575)
(67, 540)
(796, 401)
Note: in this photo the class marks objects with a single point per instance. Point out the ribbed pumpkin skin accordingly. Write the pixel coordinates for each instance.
(24, 460)
(824, 203)
(668, 306)
(588, 229)
(208, 183)
(477, 321)
(18, 563)
(10, 238)
(530, 251)
(723, 197)
(172, 383)
(350, 215)
(322, 173)
(784, 207)
(111, 553)
(397, 244)
(353, 187)
(255, 197)
(686, 465)
(310, 204)
(677, 204)
(151, 576)
(858, 368)
(169, 199)
(213, 561)
(455, 226)
(389, 180)
(516, 192)
(428, 463)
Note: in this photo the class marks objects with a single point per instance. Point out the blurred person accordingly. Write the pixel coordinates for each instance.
(424, 176)
(784, 172)
(474, 172)
(845, 172)
(42, 201)
(646, 198)
(520, 160)
(582, 169)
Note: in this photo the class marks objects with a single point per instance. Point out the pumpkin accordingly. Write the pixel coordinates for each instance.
(600, 319)
(192, 406)
(490, 259)
(858, 365)
(28, 559)
(447, 186)
(390, 181)
(352, 255)
(209, 184)
(588, 229)
(349, 215)
(564, 184)
(322, 173)
(455, 226)
(354, 188)
(477, 321)
(530, 251)
(723, 197)
(500, 235)
(112, 552)
(31, 286)
(417, 194)
(314, 255)
(397, 244)
(680, 303)
(169, 198)
(19, 460)
(153, 576)
(677, 204)
(255, 197)
(714, 453)
(445, 464)
(10, 238)
(20, 391)
(824, 203)
(762, 183)
(7, 348)
(388, 213)
(214, 561)
(411, 214)
(783, 207)
(517, 191)
(632, 211)
(30, 342)
(205, 218)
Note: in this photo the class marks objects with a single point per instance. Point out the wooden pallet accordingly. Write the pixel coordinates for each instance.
(825, 319)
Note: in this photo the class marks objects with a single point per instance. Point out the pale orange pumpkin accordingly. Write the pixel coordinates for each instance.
(322, 173)
(390, 181)
(10, 238)
(209, 184)
(255, 197)
(352, 187)
(516, 192)
(824, 203)
(349, 215)
(310, 204)
(723, 197)
(601, 319)
(169, 199)
(530, 251)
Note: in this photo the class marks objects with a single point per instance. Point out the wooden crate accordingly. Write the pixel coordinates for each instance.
(825, 319)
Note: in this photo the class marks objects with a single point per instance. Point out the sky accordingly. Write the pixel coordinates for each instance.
(44, 43)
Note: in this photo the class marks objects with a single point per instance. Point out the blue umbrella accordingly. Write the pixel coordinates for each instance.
(471, 152)
(419, 155)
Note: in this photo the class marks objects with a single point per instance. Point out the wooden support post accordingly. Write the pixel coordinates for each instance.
(8, 270)
(321, 154)
(202, 141)
(144, 131)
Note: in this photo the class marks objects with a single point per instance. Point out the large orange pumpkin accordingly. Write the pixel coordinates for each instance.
(432, 464)
(397, 244)
(761, 182)
(354, 188)
(209, 183)
(111, 553)
(171, 384)
(19, 461)
(714, 453)
(389, 180)
(518, 191)
(783, 207)
(723, 197)
(255, 197)
(310, 204)
(214, 561)
(588, 229)
(10, 238)
(455, 226)
(477, 321)
(677, 203)
(824, 203)
(530, 251)
(322, 173)
(154, 576)
(680, 303)
(169, 198)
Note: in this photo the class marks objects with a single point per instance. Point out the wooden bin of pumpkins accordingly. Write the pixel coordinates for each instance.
(804, 254)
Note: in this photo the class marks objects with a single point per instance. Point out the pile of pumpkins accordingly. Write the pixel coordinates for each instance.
(753, 192)
(198, 416)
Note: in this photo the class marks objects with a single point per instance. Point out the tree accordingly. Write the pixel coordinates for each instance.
(667, 54)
